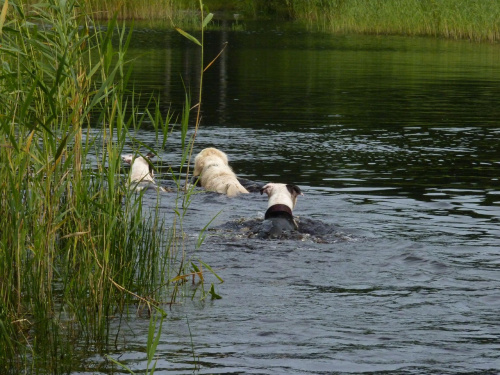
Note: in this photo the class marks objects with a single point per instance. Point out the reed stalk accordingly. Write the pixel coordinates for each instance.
(76, 246)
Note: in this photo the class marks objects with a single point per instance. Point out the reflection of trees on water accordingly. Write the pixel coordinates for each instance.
(411, 113)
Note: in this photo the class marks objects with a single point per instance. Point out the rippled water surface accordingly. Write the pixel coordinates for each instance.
(394, 141)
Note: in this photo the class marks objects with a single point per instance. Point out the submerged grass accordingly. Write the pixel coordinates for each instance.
(76, 246)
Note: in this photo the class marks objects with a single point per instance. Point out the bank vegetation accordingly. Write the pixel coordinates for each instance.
(457, 19)
(475, 20)
(79, 251)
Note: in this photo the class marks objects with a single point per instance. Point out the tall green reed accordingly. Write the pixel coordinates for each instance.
(456, 19)
(76, 246)
(195, 270)
(187, 268)
(178, 10)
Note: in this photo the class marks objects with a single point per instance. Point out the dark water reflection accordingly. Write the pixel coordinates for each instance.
(395, 142)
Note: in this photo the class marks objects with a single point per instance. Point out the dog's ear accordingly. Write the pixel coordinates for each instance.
(294, 190)
(147, 159)
(266, 189)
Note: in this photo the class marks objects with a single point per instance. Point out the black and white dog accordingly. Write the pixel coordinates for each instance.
(279, 214)
(141, 174)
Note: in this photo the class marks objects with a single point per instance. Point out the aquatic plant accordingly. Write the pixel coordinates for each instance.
(205, 19)
(76, 246)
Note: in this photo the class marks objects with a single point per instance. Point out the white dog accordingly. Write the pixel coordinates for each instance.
(215, 173)
(141, 174)
(282, 201)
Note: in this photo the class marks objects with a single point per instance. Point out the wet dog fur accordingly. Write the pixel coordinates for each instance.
(141, 174)
(212, 167)
(279, 215)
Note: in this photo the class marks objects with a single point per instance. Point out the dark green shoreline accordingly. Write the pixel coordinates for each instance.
(455, 19)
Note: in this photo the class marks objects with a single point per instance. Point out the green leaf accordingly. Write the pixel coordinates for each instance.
(4, 14)
(61, 147)
(184, 124)
(196, 269)
(207, 19)
(211, 270)
(202, 235)
(213, 294)
(189, 36)
(119, 364)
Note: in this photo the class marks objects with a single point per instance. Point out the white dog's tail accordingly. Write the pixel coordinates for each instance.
(235, 189)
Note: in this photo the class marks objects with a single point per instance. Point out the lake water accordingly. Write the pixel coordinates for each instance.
(394, 141)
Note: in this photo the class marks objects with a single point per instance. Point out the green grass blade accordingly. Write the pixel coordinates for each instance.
(189, 36)
(212, 271)
(207, 19)
(3, 15)
(119, 364)
(213, 294)
(202, 235)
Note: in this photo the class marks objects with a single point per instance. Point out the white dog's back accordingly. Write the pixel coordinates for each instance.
(215, 173)
(141, 174)
(140, 169)
(234, 189)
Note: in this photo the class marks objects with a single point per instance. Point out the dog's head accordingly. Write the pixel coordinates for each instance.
(141, 168)
(282, 193)
(207, 155)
